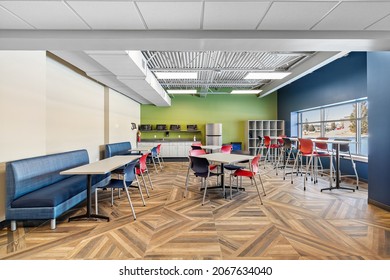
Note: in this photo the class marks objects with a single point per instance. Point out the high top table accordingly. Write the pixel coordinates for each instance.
(100, 167)
(338, 143)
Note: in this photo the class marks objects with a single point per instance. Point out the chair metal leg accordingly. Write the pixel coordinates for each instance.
(150, 180)
(296, 163)
(159, 163)
(205, 190)
(307, 171)
(131, 204)
(262, 185)
(140, 191)
(154, 163)
(356, 174)
(258, 192)
(230, 184)
(188, 175)
(143, 181)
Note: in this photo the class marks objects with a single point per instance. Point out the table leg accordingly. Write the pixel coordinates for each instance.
(222, 185)
(337, 173)
(89, 215)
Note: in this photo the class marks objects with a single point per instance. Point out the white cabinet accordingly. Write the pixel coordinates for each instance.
(170, 149)
(256, 128)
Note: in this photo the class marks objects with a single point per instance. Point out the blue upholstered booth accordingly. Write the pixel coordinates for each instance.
(36, 190)
(120, 148)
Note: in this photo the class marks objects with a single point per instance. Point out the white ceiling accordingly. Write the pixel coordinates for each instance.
(74, 29)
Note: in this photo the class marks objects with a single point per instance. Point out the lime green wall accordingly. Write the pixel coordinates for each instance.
(230, 110)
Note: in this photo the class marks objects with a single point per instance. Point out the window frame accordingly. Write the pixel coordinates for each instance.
(299, 123)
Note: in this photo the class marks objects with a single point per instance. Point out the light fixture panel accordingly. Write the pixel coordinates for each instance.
(266, 75)
(246, 91)
(176, 75)
(182, 91)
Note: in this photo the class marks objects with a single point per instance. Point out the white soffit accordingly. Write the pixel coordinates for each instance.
(108, 14)
(233, 15)
(118, 62)
(45, 14)
(354, 15)
(96, 71)
(295, 15)
(130, 69)
(171, 15)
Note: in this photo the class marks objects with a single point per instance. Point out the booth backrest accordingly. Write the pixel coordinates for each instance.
(114, 149)
(27, 175)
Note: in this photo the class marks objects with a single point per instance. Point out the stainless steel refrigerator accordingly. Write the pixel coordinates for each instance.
(214, 134)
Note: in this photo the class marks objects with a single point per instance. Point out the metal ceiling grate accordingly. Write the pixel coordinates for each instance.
(220, 69)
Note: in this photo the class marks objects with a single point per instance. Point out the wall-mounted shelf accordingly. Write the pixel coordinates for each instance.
(181, 131)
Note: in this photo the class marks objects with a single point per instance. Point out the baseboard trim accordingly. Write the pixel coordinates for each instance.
(379, 204)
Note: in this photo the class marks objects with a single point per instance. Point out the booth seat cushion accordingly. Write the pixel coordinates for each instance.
(114, 149)
(53, 194)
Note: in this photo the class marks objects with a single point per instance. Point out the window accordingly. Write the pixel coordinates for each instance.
(348, 120)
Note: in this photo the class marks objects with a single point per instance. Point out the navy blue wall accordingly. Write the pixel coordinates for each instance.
(342, 80)
(378, 85)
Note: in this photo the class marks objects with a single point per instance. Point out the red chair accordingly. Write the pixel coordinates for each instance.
(270, 147)
(159, 153)
(143, 169)
(196, 146)
(322, 150)
(249, 173)
(306, 149)
(226, 149)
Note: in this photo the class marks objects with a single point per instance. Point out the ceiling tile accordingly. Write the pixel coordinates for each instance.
(354, 15)
(295, 15)
(171, 15)
(233, 15)
(382, 25)
(10, 21)
(108, 14)
(45, 14)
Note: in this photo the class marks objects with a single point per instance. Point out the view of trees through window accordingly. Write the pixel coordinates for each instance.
(348, 121)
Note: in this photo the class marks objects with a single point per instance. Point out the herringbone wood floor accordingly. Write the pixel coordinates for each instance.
(292, 224)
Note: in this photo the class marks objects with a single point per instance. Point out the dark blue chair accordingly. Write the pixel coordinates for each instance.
(201, 168)
(129, 175)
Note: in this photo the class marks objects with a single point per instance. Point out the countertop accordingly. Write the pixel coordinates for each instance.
(169, 140)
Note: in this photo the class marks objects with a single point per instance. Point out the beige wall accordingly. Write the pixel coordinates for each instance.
(47, 107)
(122, 112)
(75, 111)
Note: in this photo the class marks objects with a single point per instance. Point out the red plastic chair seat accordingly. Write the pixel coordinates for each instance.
(244, 172)
(273, 146)
(316, 154)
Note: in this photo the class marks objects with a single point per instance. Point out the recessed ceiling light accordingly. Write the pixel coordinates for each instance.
(246, 91)
(266, 75)
(176, 75)
(182, 91)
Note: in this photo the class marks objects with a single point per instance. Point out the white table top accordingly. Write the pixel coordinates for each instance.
(332, 141)
(141, 149)
(226, 158)
(102, 166)
(210, 147)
